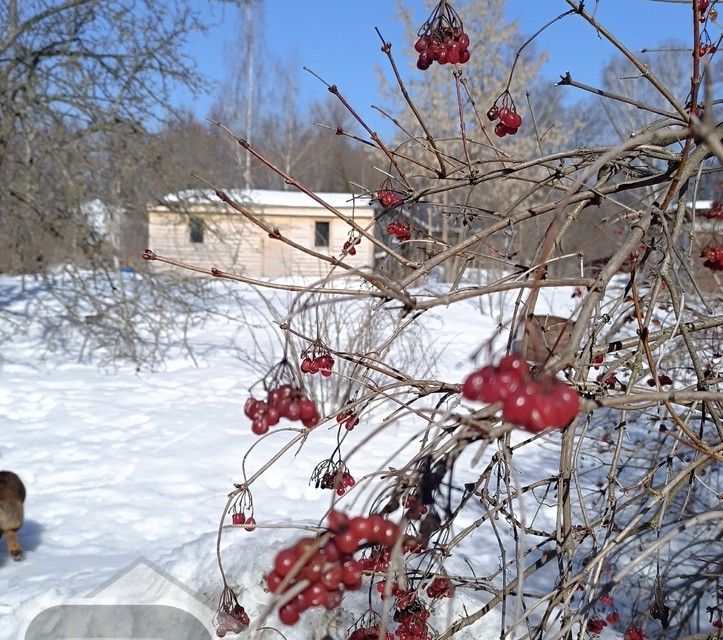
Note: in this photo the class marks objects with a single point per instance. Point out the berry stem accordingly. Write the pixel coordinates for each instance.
(387, 49)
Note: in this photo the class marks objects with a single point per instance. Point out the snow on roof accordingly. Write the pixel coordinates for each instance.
(700, 204)
(263, 197)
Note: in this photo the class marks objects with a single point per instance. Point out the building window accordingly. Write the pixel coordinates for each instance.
(321, 234)
(196, 227)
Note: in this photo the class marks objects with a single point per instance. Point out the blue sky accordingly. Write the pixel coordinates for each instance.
(336, 38)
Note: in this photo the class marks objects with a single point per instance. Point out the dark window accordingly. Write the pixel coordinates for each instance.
(321, 234)
(196, 227)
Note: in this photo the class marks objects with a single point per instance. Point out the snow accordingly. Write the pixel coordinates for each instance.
(122, 464)
(270, 198)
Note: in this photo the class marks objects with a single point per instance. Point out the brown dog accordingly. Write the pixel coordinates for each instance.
(546, 335)
(12, 496)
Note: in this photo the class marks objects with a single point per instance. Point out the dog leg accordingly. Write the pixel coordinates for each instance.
(14, 548)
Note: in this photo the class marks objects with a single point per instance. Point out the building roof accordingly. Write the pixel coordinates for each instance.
(700, 204)
(263, 197)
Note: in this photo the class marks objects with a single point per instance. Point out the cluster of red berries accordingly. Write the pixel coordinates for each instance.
(509, 120)
(440, 588)
(349, 246)
(535, 404)
(703, 7)
(595, 626)
(240, 520)
(284, 401)
(634, 633)
(389, 198)
(404, 597)
(400, 230)
(713, 257)
(705, 48)
(322, 363)
(412, 621)
(442, 38)
(380, 557)
(329, 567)
(415, 508)
(341, 482)
(349, 419)
(236, 620)
(329, 474)
(715, 211)
(448, 46)
(369, 633)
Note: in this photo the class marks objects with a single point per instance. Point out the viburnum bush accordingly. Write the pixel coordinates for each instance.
(564, 479)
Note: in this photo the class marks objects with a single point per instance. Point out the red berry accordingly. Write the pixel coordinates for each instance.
(307, 409)
(360, 527)
(238, 518)
(337, 521)
(273, 416)
(284, 561)
(423, 62)
(595, 627)
(273, 580)
(518, 404)
(613, 617)
(464, 57)
(260, 425)
(500, 130)
(250, 524)
(493, 113)
(332, 577)
(347, 542)
(331, 551)
(463, 41)
(421, 44)
(477, 386)
(515, 365)
(288, 614)
(511, 119)
(333, 599)
(221, 631)
(313, 567)
(294, 411)
(303, 545)
(351, 574)
(251, 407)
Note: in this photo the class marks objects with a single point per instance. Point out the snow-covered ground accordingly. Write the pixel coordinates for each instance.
(121, 464)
